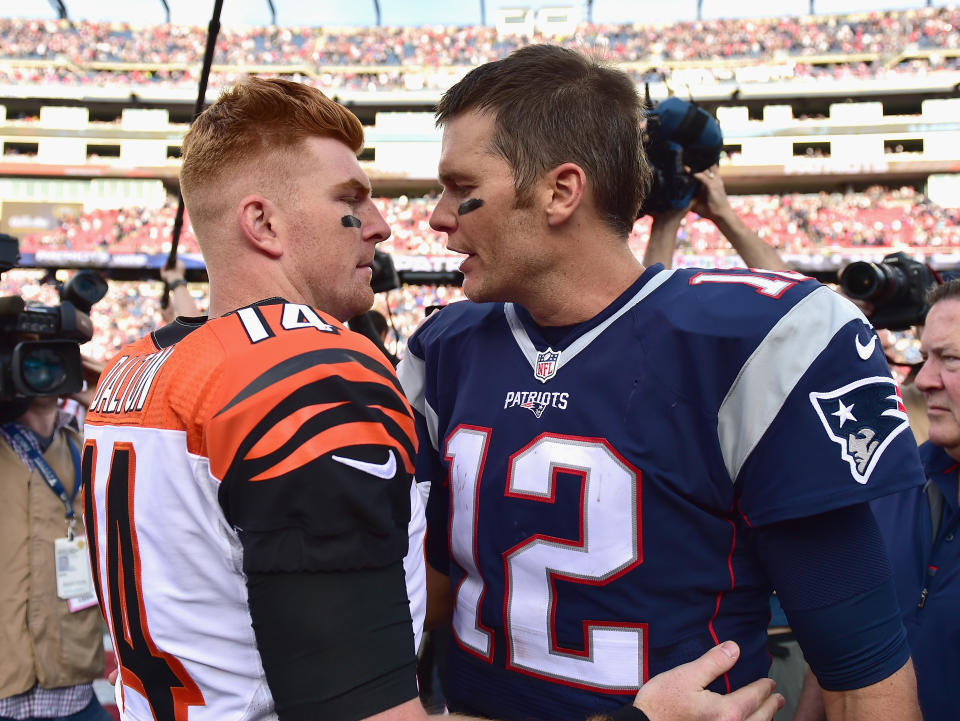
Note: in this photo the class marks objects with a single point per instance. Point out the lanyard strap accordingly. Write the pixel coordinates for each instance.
(27, 447)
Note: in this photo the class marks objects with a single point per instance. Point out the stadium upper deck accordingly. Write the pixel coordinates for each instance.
(87, 59)
(801, 65)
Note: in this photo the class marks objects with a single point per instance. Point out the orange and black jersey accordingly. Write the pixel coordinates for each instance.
(301, 421)
(248, 492)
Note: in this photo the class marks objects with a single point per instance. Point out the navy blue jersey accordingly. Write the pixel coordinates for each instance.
(592, 499)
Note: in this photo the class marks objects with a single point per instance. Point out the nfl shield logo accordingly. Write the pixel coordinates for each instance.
(546, 365)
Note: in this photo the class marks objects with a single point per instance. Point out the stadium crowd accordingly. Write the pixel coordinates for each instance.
(829, 222)
(878, 217)
(380, 58)
(877, 220)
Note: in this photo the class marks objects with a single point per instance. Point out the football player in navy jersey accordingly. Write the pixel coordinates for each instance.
(625, 461)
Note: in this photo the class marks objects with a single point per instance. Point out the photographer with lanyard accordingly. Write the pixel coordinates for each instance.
(50, 627)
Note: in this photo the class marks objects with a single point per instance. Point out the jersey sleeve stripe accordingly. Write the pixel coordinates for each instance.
(302, 407)
(412, 373)
(332, 439)
(432, 420)
(286, 428)
(396, 424)
(283, 431)
(338, 358)
(401, 418)
(773, 370)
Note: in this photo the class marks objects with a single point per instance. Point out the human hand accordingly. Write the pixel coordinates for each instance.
(712, 201)
(92, 369)
(680, 694)
(177, 272)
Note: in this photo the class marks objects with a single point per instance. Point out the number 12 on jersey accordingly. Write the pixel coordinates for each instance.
(613, 657)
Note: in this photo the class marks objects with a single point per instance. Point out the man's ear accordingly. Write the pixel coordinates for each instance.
(257, 219)
(567, 187)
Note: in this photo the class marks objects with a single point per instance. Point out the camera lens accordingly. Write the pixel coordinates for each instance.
(871, 281)
(861, 280)
(43, 370)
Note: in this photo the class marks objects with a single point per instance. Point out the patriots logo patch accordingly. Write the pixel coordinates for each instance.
(536, 407)
(863, 418)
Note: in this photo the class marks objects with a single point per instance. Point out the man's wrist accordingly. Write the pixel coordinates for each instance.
(726, 220)
(176, 283)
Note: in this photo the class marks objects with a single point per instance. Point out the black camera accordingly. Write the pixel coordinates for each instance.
(385, 275)
(896, 286)
(678, 135)
(40, 345)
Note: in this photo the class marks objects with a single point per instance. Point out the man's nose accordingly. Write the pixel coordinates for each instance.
(375, 228)
(443, 219)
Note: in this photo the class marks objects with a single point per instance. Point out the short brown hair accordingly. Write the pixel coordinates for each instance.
(554, 105)
(258, 115)
(949, 290)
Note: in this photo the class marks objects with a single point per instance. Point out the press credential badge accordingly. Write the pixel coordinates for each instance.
(73, 569)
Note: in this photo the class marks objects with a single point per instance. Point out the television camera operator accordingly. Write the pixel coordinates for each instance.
(50, 626)
(684, 142)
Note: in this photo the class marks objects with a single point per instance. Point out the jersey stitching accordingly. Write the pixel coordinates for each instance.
(570, 352)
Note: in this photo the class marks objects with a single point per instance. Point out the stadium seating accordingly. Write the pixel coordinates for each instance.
(874, 222)
(913, 42)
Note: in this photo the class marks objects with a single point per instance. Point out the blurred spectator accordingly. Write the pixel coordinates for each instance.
(49, 620)
(408, 306)
(373, 325)
(379, 324)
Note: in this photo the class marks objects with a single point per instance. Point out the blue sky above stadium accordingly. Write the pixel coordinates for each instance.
(419, 12)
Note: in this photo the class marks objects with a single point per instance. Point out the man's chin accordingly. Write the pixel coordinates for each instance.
(945, 435)
(359, 304)
(360, 308)
(479, 292)
(473, 290)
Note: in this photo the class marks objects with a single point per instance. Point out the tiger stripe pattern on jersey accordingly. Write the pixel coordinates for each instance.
(272, 439)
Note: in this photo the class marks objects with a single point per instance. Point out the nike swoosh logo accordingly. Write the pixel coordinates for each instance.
(387, 469)
(865, 351)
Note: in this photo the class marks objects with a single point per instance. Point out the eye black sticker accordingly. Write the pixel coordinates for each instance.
(469, 205)
(350, 221)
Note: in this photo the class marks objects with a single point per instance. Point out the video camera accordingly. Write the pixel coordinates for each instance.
(897, 287)
(385, 275)
(51, 364)
(678, 135)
